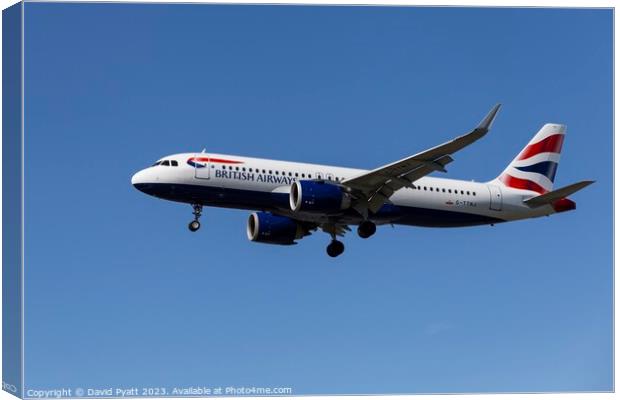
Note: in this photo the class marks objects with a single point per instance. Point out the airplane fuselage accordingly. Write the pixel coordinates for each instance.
(229, 181)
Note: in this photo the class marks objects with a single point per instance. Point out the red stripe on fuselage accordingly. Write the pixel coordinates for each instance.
(550, 144)
(519, 183)
(216, 160)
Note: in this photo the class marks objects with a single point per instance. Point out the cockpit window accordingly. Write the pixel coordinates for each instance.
(166, 163)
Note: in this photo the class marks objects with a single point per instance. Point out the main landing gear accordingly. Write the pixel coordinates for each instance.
(366, 229)
(195, 224)
(335, 248)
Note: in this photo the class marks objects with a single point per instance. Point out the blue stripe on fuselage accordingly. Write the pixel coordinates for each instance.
(257, 200)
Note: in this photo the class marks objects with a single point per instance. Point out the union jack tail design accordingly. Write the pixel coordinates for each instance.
(535, 167)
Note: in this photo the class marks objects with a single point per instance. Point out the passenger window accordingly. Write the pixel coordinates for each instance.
(243, 169)
(462, 192)
(424, 187)
(166, 163)
(443, 190)
(296, 174)
(468, 192)
(303, 175)
(263, 171)
(277, 172)
(474, 193)
(270, 171)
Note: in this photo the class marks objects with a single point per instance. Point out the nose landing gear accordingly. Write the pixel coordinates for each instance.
(195, 224)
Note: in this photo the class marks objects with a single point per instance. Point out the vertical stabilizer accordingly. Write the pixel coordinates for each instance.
(535, 167)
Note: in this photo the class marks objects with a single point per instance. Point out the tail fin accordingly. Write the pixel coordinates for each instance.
(535, 167)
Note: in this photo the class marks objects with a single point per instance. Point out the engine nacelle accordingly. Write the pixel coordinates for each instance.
(264, 227)
(318, 196)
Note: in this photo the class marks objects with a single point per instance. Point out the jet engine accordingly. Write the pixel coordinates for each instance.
(318, 196)
(264, 227)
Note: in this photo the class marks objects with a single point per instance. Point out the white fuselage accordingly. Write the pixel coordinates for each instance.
(261, 184)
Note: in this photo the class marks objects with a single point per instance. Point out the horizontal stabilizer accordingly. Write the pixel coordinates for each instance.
(558, 194)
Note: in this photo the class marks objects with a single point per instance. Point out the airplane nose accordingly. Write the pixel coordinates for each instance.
(140, 182)
(137, 178)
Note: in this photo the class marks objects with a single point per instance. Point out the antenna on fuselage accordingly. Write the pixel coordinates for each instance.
(204, 150)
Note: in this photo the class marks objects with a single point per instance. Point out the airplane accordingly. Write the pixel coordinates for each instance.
(290, 200)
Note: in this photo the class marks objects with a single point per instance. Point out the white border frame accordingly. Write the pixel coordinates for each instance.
(472, 3)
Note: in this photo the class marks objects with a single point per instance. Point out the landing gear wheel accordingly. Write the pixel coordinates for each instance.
(366, 229)
(194, 226)
(335, 248)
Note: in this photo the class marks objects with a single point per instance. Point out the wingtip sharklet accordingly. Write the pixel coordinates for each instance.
(486, 123)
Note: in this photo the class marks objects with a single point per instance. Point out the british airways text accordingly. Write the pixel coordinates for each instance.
(254, 177)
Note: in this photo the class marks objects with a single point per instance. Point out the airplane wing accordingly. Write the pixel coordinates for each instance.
(376, 187)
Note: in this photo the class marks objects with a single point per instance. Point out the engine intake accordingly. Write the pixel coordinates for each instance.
(264, 227)
(318, 196)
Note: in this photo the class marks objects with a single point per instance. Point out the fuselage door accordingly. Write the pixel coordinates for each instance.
(202, 166)
(496, 197)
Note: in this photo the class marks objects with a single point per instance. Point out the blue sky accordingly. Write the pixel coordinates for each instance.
(120, 293)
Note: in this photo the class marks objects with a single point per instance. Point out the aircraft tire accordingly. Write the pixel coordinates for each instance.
(335, 248)
(366, 229)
